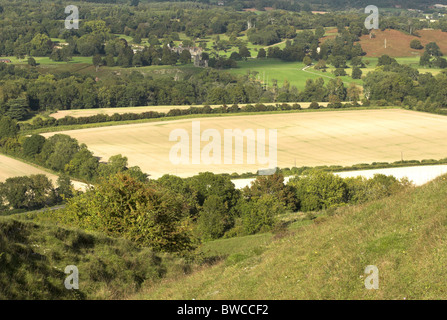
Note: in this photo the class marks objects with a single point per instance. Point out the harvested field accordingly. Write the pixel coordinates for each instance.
(76, 113)
(13, 168)
(10, 168)
(304, 139)
(398, 43)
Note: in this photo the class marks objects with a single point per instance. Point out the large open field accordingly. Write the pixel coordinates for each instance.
(304, 139)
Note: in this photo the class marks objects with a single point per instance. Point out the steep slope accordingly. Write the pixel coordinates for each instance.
(405, 236)
(33, 258)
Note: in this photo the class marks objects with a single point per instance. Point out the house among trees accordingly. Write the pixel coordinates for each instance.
(137, 48)
(5, 60)
(196, 54)
(60, 45)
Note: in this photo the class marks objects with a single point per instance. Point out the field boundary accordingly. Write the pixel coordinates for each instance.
(194, 116)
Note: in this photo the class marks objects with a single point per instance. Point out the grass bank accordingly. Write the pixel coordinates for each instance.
(405, 236)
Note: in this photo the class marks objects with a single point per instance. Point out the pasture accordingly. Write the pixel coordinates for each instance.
(303, 139)
(269, 69)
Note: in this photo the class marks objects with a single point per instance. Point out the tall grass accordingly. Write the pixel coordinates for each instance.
(33, 257)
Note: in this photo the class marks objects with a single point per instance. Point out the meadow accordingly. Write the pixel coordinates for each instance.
(270, 69)
(304, 139)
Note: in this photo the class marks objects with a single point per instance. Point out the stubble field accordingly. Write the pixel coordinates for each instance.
(77, 113)
(10, 168)
(303, 139)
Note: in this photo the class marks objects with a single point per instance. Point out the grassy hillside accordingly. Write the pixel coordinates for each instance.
(33, 257)
(405, 236)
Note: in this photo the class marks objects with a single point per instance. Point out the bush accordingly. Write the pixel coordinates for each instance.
(340, 72)
(33, 192)
(272, 185)
(319, 190)
(416, 44)
(314, 105)
(214, 219)
(361, 190)
(260, 215)
(366, 103)
(125, 207)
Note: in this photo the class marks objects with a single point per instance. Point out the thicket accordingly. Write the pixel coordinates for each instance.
(207, 206)
(404, 85)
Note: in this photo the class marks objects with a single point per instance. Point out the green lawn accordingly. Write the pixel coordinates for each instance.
(48, 61)
(281, 71)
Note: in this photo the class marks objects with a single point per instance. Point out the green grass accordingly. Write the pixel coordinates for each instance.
(405, 236)
(281, 71)
(239, 245)
(292, 71)
(60, 40)
(48, 61)
(411, 61)
(33, 257)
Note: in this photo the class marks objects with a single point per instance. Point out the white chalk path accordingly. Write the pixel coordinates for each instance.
(318, 74)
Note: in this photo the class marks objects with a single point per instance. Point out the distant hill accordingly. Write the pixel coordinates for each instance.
(330, 4)
(298, 4)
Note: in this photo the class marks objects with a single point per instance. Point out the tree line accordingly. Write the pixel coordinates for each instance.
(24, 93)
(174, 214)
(403, 85)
